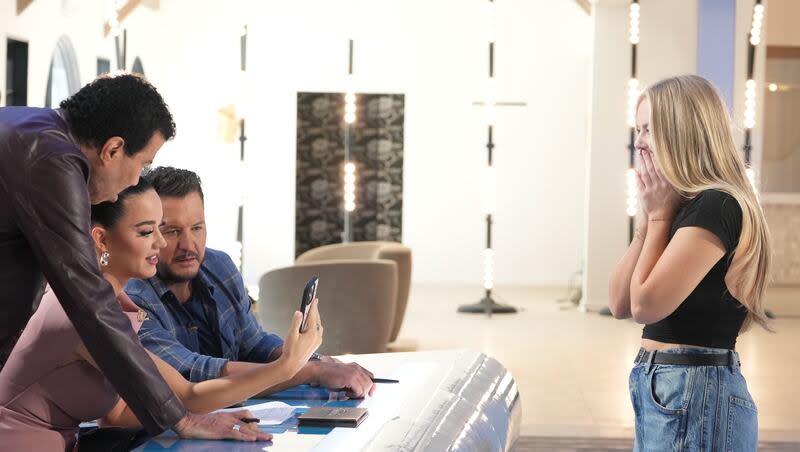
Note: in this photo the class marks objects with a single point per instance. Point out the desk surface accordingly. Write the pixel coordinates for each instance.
(446, 400)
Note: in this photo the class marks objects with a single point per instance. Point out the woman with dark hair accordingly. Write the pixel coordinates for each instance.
(50, 383)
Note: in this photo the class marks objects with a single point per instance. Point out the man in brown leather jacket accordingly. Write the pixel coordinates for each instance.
(53, 165)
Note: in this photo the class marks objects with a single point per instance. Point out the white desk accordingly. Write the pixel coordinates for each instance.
(446, 400)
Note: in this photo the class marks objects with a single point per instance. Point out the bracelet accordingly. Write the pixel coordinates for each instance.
(657, 219)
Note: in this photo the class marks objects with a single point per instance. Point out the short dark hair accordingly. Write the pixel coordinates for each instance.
(176, 182)
(108, 214)
(124, 105)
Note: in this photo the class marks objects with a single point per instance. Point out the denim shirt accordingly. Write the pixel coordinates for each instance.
(171, 333)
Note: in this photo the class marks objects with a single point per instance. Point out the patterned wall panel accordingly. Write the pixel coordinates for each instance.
(377, 149)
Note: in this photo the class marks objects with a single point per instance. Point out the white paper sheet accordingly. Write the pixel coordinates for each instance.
(269, 413)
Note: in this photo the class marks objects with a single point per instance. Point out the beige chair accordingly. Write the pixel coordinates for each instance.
(396, 252)
(356, 302)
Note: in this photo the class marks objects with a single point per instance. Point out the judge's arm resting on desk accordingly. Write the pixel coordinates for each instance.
(220, 392)
(327, 372)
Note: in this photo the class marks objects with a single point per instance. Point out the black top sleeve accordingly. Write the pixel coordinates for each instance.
(717, 212)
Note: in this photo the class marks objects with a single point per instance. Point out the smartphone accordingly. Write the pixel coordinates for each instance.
(309, 293)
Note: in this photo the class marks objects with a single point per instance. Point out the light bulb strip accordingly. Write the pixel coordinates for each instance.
(755, 26)
(349, 168)
(750, 86)
(633, 100)
(633, 93)
(633, 25)
(349, 108)
(349, 186)
(749, 120)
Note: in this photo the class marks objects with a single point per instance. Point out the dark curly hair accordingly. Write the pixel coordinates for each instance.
(169, 181)
(108, 214)
(124, 105)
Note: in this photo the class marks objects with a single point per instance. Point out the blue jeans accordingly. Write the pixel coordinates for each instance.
(692, 408)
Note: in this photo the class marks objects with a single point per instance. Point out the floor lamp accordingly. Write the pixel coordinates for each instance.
(487, 304)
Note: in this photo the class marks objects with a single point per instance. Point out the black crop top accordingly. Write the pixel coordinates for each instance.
(710, 316)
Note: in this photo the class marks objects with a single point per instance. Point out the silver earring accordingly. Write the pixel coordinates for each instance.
(104, 258)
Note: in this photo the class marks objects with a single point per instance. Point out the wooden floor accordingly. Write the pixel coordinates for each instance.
(572, 367)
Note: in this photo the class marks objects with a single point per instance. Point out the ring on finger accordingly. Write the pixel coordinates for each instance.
(236, 427)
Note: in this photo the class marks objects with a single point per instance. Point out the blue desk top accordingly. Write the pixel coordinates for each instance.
(303, 397)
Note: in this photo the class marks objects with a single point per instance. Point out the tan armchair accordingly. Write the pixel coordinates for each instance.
(393, 251)
(357, 302)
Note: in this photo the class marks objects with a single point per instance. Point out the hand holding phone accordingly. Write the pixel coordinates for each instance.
(309, 294)
(300, 341)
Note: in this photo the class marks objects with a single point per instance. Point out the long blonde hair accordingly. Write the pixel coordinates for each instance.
(692, 133)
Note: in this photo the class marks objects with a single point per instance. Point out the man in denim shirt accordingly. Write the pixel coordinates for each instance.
(199, 316)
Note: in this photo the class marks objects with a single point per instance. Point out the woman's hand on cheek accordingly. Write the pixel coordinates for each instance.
(659, 198)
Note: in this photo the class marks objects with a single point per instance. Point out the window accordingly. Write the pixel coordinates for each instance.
(103, 66)
(16, 73)
(63, 80)
(137, 66)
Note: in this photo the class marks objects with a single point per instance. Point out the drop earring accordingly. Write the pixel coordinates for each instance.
(104, 258)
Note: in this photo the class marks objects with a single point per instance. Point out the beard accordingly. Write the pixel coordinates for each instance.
(169, 277)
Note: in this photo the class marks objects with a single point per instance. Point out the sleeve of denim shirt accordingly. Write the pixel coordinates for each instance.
(257, 345)
(160, 340)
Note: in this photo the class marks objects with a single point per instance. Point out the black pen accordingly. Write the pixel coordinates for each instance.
(249, 420)
(384, 380)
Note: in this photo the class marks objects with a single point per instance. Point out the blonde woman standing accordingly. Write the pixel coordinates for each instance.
(694, 274)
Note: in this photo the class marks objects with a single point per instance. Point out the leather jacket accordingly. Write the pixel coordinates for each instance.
(45, 235)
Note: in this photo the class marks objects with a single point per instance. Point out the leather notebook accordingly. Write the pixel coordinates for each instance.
(333, 416)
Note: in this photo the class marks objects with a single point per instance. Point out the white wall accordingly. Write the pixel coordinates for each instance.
(667, 47)
(433, 52)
